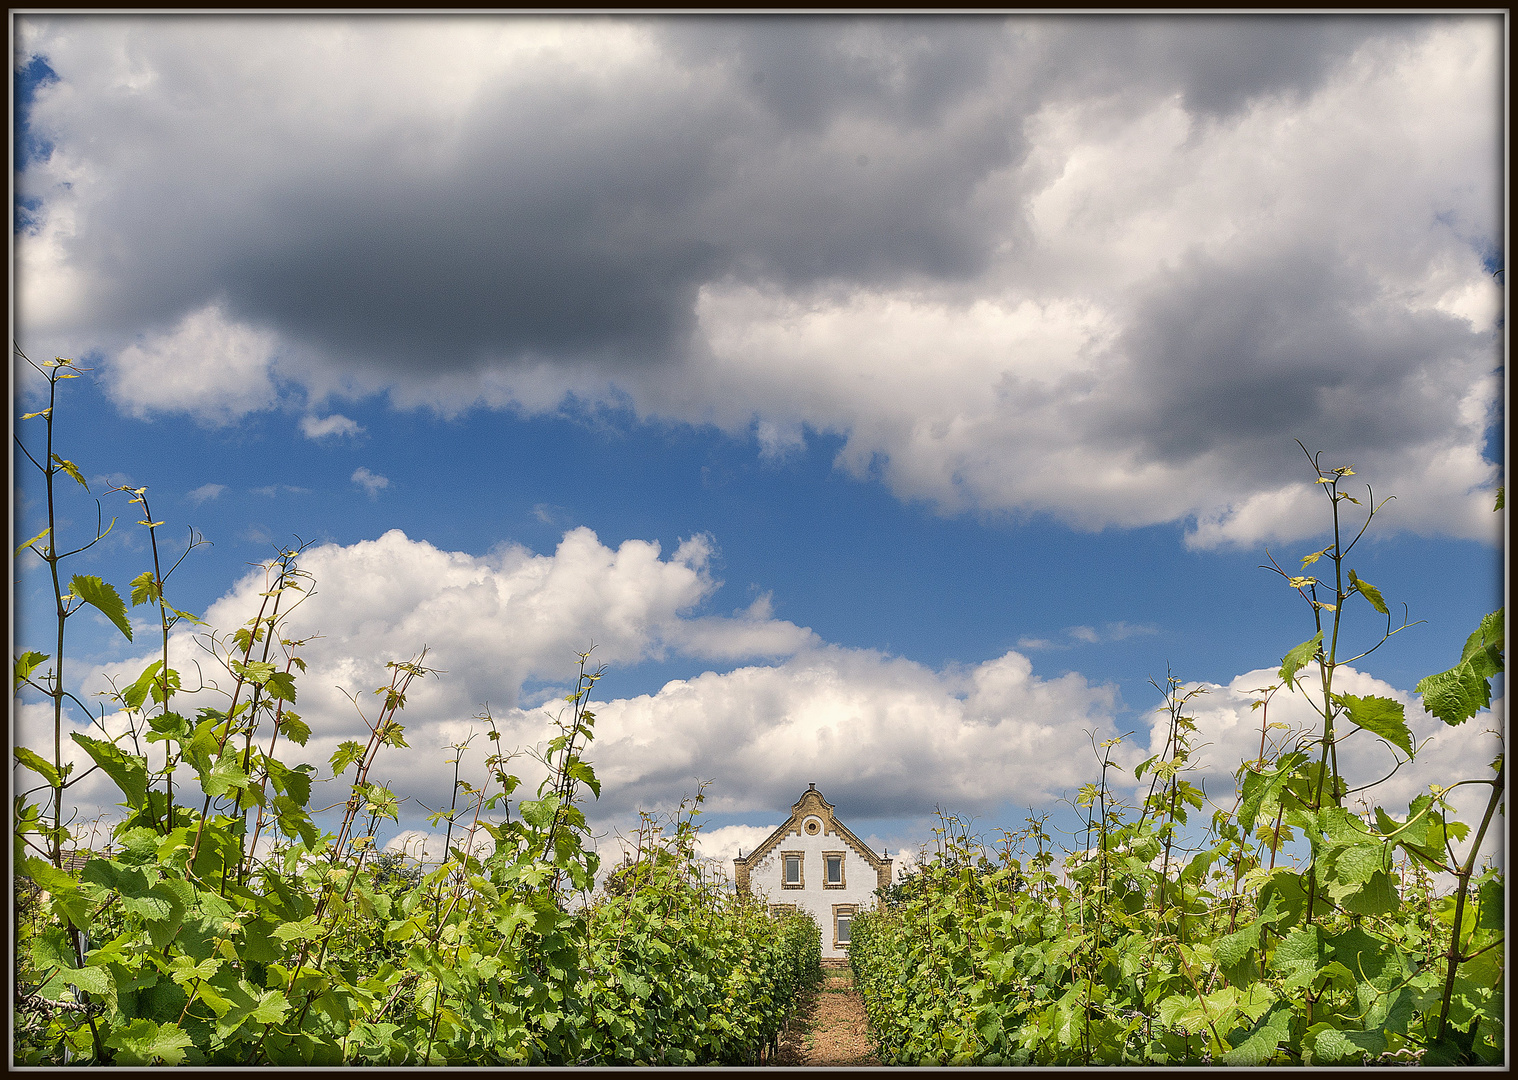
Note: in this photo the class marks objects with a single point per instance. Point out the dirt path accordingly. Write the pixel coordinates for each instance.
(830, 1027)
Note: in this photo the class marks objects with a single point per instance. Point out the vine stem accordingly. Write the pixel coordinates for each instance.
(1464, 876)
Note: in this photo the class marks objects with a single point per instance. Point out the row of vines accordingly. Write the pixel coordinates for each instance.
(1286, 928)
(194, 939)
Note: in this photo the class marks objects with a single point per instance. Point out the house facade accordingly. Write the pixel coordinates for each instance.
(814, 863)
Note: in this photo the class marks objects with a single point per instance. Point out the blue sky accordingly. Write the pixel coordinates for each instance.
(958, 392)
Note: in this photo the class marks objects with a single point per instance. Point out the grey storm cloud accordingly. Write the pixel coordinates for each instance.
(570, 220)
(1247, 357)
(453, 208)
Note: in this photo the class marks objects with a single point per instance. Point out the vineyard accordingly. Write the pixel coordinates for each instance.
(179, 946)
(1174, 941)
(1285, 928)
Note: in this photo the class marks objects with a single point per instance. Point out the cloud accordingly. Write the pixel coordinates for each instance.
(215, 369)
(728, 842)
(1088, 635)
(337, 424)
(1102, 269)
(373, 483)
(883, 736)
(886, 733)
(205, 493)
(429, 847)
(1229, 732)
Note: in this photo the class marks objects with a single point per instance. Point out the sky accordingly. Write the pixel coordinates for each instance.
(890, 400)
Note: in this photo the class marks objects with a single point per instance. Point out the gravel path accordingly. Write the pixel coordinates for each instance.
(830, 1028)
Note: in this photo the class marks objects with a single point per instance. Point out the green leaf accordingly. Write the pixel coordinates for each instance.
(1490, 905)
(133, 696)
(186, 970)
(295, 729)
(144, 588)
(1232, 948)
(1328, 1044)
(1298, 957)
(27, 663)
(581, 770)
(73, 470)
(281, 685)
(92, 980)
(1378, 896)
(1369, 591)
(129, 771)
(1299, 656)
(142, 1042)
(1381, 715)
(255, 671)
(1458, 694)
(102, 596)
(1260, 787)
(347, 753)
(304, 930)
(1483, 649)
(539, 812)
(1258, 1045)
(1356, 865)
(35, 763)
(168, 724)
(48, 876)
(225, 775)
(22, 547)
(296, 782)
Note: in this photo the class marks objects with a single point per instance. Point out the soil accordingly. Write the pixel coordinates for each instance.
(829, 1029)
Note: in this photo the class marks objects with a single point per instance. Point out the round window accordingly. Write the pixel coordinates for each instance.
(812, 826)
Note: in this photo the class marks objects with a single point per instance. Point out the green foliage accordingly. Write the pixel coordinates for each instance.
(1165, 946)
(1456, 695)
(178, 946)
(102, 596)
(1164, 942)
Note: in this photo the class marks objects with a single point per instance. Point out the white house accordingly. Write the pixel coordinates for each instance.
(814, 863)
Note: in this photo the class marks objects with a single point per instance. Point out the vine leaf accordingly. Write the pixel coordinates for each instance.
(72, 469)
(1369, 591)
(102, 596)
(144, 588)
(22, 547)
(129, 771)
(1258, 787)
(1258, 1045)
(27, 663)
(1458, 694)
(1298, 658)
(1383, 716)
(35, 763)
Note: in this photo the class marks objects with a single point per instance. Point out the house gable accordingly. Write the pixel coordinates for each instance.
(811, 805)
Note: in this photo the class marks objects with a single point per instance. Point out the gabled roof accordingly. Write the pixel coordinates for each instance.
(812, 804)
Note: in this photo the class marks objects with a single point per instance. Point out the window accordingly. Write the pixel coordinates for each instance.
(780, 911)
(832, 869)
(791, 874)
(843, 919)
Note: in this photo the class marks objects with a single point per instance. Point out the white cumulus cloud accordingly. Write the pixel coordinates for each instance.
(313, 427)
(205, 493)
(212, 367)
(371, 482)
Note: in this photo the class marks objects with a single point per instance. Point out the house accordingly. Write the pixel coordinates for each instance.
(814, 863)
